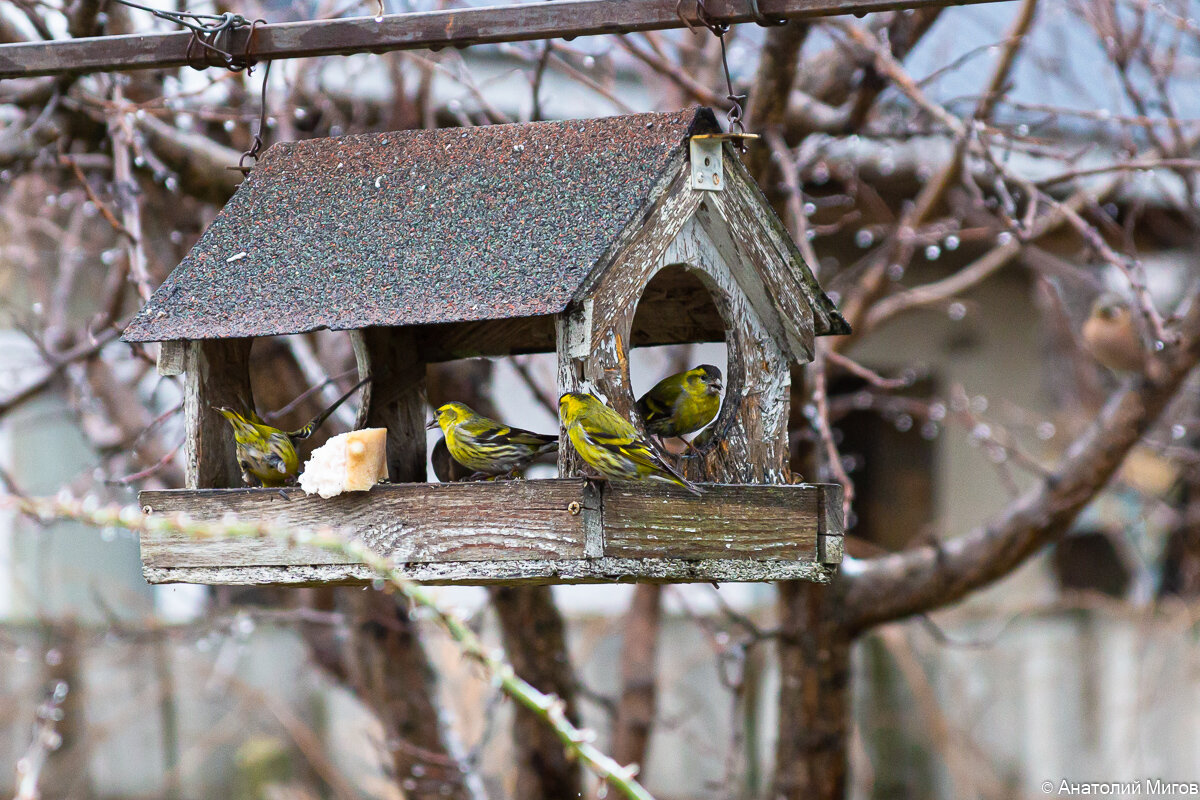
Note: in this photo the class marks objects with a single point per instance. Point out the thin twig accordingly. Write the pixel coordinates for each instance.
(46, 739)
(120, 130)
(314, 372)
(820, 397)
(539, 393)
(167, 458)
(869, 375)
(795, 198)
(100, 205)
(1124, 166)
(550, 708)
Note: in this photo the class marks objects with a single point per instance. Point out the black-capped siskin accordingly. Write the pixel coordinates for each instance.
(682, 403)
(268, 454)
(486, 446)
(611, 445)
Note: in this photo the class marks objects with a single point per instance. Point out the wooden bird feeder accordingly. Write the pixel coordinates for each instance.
(435, 245)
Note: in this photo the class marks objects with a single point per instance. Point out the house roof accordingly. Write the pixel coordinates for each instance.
(418, 227)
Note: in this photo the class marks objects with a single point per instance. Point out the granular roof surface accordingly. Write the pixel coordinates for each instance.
(414, 227)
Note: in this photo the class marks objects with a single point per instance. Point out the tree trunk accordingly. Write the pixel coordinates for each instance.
(535, 639)
(391, 675)
(637, 707)
(814, 695)
(66, 773)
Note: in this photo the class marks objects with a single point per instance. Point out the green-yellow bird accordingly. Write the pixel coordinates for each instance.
(609, 443)
(682, 403)
(486, 446)
(268, 454)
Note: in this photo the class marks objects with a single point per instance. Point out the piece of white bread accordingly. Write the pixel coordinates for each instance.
(348, 462)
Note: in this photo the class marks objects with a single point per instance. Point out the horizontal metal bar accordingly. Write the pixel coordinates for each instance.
(561, 19)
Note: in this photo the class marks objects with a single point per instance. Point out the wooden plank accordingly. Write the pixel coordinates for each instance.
(738, 226)
(397, 397)
(416, 523)
(727, 522)
(458, 27)
(172, 357)
(218, 374)
(749, 436)
(506, 573)
(506, 532)
(831, 526)
(614, 290)
(449, 341)
(572, 337)
(793, 277)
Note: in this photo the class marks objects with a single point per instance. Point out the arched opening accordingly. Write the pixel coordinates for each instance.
(680, 323)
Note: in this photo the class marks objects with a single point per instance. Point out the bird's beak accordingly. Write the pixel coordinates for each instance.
(433, 423)
(716, 388)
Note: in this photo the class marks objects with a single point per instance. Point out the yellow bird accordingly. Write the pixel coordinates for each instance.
(1111, 336)
(682, 403)
(486, 446)
(610, 444)
(268, 454)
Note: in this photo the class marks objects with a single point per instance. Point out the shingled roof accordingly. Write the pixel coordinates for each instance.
(417, 227)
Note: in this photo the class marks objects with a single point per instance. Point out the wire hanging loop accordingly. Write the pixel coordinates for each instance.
(214, 40)
(734, 115)
(210, 32)
(248, 64)
(213, 35)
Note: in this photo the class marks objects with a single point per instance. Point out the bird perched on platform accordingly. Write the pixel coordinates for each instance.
(267, 453)
(1111, 335)
(445, 468)
(486, 446)
(609, 443)
(682, 403)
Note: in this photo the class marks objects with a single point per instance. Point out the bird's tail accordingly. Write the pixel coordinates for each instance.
(316, 421)
(676, 478)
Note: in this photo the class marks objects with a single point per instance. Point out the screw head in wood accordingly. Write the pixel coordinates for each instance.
(147, 510)
(574, 508)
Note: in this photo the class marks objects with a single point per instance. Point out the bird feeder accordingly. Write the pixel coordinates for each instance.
(434, 245)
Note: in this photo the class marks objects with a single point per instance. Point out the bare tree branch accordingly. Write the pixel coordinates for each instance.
(928, 577)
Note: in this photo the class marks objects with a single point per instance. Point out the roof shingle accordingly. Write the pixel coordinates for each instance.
(414, 227)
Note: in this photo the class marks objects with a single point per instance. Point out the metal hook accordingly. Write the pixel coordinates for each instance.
(763, 20)
(256, 145)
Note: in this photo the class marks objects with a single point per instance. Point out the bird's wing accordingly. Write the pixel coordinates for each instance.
(536, 440)
(654, 408)
(483, 429)
(646, 454)
(629, 445)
